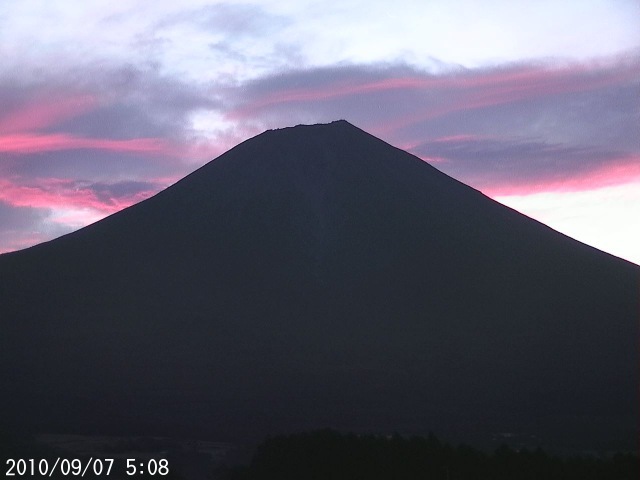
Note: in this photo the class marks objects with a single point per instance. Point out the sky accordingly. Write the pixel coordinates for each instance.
(534, 103)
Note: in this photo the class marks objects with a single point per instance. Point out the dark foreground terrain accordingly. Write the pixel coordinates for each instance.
(329, 455)
(319, 455)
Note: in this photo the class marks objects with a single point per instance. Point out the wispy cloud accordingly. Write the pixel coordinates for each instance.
(502, 166)
(38, 209)
(57, 193)
(33, 143)
(41, 110)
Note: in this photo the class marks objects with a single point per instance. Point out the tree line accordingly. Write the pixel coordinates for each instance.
(330, 455)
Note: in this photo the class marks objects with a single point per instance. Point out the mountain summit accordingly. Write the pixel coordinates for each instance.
(316, 276)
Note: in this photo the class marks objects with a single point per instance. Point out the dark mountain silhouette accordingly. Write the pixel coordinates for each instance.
(312, 277)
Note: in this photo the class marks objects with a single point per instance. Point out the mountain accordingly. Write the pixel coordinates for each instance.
(316, 276)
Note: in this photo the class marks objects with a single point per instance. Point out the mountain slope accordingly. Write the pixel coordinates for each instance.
(316, 276)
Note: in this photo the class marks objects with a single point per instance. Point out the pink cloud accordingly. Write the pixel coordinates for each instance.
(524, 80)
(23, 240)
(27, 143)
(69, 205)
(44, 112)
(616, 172)
(334, 90)
(64, 194)
(21, 128)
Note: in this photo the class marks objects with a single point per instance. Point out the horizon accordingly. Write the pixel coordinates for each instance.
(102, 105)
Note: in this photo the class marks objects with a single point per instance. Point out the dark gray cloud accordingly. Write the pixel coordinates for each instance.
(128, 102)
(108, 192)
(95, 164)
(18, 218)
(22, 227)
(487, 163)
(521, 123)
(139, 103)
